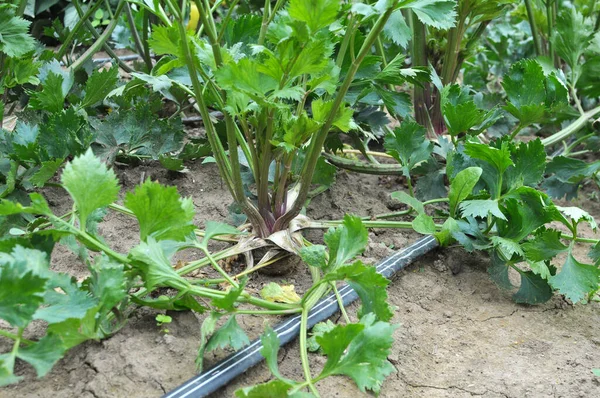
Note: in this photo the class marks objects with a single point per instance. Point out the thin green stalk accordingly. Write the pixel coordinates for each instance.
(351, 27)
(136, 38)
(410, 187)
(572, 128)
(222, 162)
(218, 268)
(72, 33)
(304, 351)
(579, 239)
(578, 141)
(100, 40)
(268, 312)
(145, 29)
(534, 30)
(317, 141)
(381, 51)
(17, 343)
(15, 337)
(363, 167)
(265, 22)
(324, 224)
(516, 131)
(574, 94)
(21, 8)
(340, 303)
(550, 19)
(226, 20)
(403, 212)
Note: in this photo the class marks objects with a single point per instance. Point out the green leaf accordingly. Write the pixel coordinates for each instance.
(99, 84)
(272, 389)
(424, 224)
(43, 354)
(317, 331)
(161, 212)
(281, 294)
(481, 208)
(530, 93)
(153, 259)
(213, 229)
(183, 303)
(228, 335)
(38, 206)
(533, 290)
(228, 301)
(570, 38)
(493, 161)
(90, 183)
(6, 371)
(545, 246)
(444, 236)
(269, 350)
(498, 272)
(346, 241)
(459, 110)
(136, 132)
(575, 280)
(359, 351)
(507, 247)
(52, 96)
(21, 289)
(408, 145)
(529, 159)
(578, 215)
(343, 117)
(570, 169)
(594, 253)
(71, 302)
(64, 135)
(47, 170)
(413, 202)
(369, 285)
(316, 13)
(314, 256)
(14, 38)
(107, 283)
(440, 14)
(499, 158)
(462, 186)
(397, 30)
(208, 327)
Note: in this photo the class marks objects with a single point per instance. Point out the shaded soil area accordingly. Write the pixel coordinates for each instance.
(460, 336)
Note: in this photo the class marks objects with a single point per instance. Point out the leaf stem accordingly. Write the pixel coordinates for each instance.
(304, 351)
(15, 337)
(534, 30)
(217, 267)
(340, 303)
(82, 19)
(101, 40)
(572, 128)
(516, 131)
(136, 38)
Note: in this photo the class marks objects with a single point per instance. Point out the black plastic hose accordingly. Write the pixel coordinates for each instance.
(239, 362)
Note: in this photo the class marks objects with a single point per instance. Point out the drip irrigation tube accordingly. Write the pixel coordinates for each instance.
(239, 362)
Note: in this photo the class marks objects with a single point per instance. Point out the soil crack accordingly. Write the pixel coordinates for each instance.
(500, 316)
(473, 393)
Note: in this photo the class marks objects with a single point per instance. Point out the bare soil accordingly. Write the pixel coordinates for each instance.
(460, 336)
